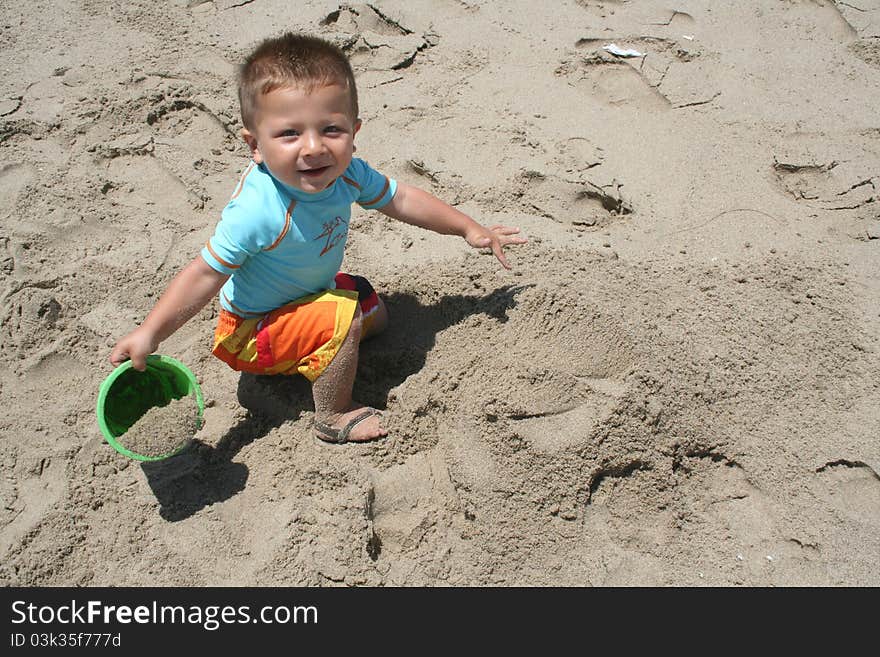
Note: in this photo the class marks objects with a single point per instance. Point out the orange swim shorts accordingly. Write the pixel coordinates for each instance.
(302, 336)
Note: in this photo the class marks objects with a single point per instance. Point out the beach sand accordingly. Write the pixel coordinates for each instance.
(677, 383)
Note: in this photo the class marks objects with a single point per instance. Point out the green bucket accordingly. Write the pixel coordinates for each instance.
(126, 394)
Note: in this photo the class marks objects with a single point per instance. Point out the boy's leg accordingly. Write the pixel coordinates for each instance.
(332, 390)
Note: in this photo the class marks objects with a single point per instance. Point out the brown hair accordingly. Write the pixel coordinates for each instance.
(292, 60)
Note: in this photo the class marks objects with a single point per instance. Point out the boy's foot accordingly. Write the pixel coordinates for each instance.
(356, 426)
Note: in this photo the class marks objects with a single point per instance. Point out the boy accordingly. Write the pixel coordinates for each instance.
(275, 255)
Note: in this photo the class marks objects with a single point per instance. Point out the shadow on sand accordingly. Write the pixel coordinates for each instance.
(203, 474)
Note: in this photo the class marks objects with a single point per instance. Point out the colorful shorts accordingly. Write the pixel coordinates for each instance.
(301, 337)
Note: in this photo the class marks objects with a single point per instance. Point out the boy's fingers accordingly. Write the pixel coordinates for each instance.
(499, 253)
(504, 230)
(138, 361)
(117, 356)
(508, 234)
(501, 235)
(121, 354)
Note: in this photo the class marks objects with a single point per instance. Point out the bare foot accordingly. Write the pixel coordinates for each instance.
(357, 425)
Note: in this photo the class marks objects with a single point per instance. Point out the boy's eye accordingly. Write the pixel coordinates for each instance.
(332, 129)
(289, 133)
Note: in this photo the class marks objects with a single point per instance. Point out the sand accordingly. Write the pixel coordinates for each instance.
(675, 385)
(163, 429)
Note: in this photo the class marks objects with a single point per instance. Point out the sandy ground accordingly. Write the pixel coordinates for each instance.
(676, 384)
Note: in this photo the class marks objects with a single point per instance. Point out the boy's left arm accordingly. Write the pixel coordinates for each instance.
(419, 208)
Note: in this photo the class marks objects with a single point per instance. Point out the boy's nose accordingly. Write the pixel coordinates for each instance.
(312, 144)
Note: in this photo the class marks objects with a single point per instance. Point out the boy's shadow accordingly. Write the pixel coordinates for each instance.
(203, 475)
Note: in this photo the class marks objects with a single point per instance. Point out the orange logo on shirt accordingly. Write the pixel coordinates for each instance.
(333, 238)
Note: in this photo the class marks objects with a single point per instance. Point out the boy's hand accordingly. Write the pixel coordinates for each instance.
(495, 237)
(136, 346)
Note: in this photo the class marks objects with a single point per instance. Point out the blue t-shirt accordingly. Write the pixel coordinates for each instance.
(280, 243)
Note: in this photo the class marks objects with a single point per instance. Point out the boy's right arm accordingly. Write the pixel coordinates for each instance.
(188, 292)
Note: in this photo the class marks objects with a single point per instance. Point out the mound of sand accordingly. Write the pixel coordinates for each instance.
(163, 429)
(677, 383)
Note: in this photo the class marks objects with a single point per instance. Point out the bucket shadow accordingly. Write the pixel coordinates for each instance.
(202, 474)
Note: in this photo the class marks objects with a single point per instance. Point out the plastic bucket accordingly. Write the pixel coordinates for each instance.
(126, 394)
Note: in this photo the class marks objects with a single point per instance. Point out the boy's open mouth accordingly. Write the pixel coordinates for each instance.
(313, 173)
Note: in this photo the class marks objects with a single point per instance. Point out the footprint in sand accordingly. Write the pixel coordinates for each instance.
(35, 493)
(705, 490)
(573, 365)
(853, 488)
(189, 122)
(580, 204)
(829, 184)
(560, 428)
(135, 182)
(671, 72)
(33, 317)
(409, 500)
(613, 81)
(43, 102)
(373, 40)
(169, 152)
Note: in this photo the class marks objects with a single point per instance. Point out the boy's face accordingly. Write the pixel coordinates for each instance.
(306, 139)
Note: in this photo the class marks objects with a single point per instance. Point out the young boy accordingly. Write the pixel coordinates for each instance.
(275, 255)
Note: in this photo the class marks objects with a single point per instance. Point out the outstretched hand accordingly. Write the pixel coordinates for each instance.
(495, 237)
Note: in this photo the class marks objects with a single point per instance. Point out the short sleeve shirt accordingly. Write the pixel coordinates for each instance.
(280, 243)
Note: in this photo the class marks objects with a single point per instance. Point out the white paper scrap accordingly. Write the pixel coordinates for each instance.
(614, 49)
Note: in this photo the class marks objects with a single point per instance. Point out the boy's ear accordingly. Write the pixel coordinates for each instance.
(357, 126)
(251, 141)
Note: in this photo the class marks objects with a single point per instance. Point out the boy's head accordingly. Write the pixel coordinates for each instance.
(299, 109)
(292, 60)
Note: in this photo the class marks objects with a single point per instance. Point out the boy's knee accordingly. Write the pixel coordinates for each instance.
(381, 316)
(377, 321)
